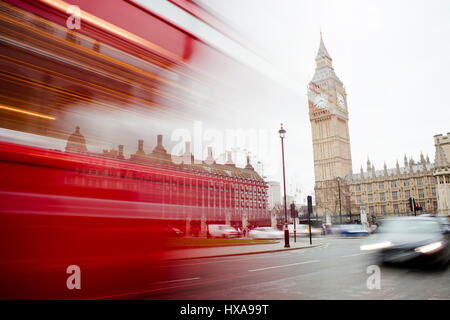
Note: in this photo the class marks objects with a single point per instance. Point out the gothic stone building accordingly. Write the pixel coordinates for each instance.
(340, 192)
(328, 115)
(386, 192)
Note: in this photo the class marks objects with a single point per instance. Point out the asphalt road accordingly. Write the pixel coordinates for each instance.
(336, 270)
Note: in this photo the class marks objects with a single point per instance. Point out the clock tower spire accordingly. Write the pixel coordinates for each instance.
(328, 115)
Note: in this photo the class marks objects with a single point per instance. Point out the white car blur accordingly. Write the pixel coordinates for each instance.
(222, 231)
(266, 233)
(303, 230)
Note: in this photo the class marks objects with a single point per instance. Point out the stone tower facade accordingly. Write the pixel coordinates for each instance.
(442, 172)
(328, 115)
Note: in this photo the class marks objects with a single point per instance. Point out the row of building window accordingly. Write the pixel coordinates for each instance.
(406, 183)
(396, 208)
(421, 193)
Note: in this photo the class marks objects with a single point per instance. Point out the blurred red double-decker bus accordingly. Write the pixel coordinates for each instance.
(68, 209)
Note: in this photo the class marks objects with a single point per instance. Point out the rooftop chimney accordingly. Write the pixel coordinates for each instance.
(159, 146)
(121, 151)
(209, 158)
(249, 166)
(140, 147)
(159, 138)
(229, 160)
(187, 157)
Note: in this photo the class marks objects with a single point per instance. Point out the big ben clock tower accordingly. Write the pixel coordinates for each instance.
(328, 115)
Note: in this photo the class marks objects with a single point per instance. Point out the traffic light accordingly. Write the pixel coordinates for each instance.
(411, 206)
(417, 207)
(310, 207)
(293, 211)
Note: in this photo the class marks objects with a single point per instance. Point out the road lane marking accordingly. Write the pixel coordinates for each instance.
(354, 255)
(231, 259)
(211, 262)
(284, 265)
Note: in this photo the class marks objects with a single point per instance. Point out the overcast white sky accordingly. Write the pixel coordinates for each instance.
(393, 57)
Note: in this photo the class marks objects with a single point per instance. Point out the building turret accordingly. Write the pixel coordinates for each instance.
(369, 166)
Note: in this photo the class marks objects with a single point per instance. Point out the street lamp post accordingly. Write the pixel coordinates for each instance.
(340, 203)
(282, 133)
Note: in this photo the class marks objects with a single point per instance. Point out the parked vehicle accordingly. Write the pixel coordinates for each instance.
(222, 231)
(266, 233)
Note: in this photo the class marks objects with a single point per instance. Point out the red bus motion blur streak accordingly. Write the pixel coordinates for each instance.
(48, 224)
(106, 216)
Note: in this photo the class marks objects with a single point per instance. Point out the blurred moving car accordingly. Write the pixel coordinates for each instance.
(336, 229)
(442, 219)
(353, 230)
(222, 231)
(327, 229)
(417, 239)
(266, 233)
(303, 230)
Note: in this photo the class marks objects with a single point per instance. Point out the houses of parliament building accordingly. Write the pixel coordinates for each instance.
(339, 191)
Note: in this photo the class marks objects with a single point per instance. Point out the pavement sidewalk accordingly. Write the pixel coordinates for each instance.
(211, 252)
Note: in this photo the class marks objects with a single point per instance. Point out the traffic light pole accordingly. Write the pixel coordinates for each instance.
(295, 231)
(411, 205)
(309, 217)
(340, 203)
(293, 216)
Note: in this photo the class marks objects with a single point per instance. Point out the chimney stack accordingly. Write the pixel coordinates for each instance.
(140, 150)
(159, 145)
(187, 157)
(229, 159)
(249, 166)
(210, 158)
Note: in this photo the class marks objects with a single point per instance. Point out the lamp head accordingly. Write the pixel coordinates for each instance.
(282, 132)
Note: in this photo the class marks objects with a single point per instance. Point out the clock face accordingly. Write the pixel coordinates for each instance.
(320, 101)
(340, 100)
